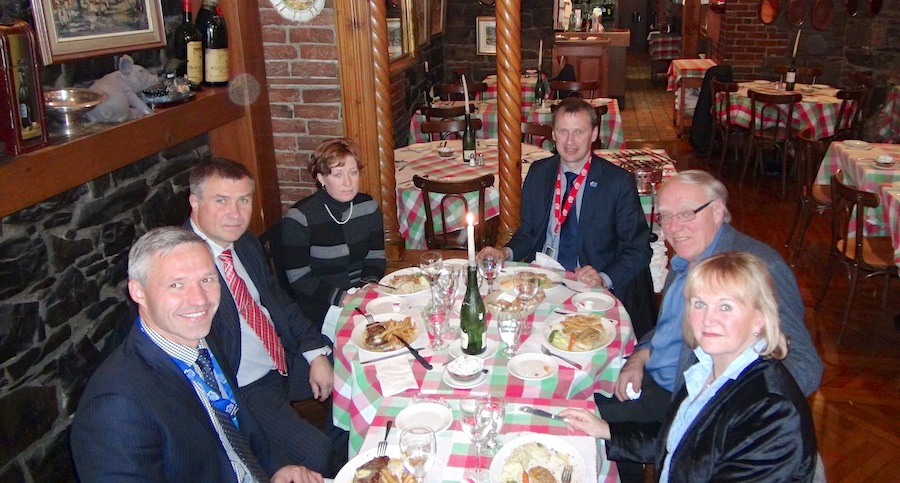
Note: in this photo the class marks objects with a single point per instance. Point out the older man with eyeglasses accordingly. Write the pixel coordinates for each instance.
(695, 220)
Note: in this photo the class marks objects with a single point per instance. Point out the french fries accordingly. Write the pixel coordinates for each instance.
(388, 476)
(386, 339)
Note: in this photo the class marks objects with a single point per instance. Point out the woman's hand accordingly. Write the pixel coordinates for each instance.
(632, 372)
(586, 422)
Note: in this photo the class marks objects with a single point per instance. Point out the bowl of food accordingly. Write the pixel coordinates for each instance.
(579, 334)
(503, 301)
(466, 367)
(445, 152)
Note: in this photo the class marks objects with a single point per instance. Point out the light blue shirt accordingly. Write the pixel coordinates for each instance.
(665, 346)
(699, 395)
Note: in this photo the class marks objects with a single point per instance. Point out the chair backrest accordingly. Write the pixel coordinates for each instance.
(847, 202)
(272, 245)
(443, 113)
(849, 120)
(807, 73)
(452, 192)
(720, 97)
(538, 134)
(773, 106)
(562, 89)
(452, 128)
(861, 80)
(454, 92)
(810, 152)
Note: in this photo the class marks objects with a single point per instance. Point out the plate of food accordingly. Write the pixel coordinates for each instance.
(379, 338)
(532, 367)
(542, 456)
(366, 467)
(406, 281)
(592, 302)
(548, 279)
(430, 414)
(500, 301)
(579, 334)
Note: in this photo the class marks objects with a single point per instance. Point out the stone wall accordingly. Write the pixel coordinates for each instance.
(63, 300)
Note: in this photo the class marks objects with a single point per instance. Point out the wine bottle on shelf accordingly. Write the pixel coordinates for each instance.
(204, 17)
(468, 141)
(24, 96)
(790, 77)
(539, 92)
(216, 52)
(472, 317)
(188, 47)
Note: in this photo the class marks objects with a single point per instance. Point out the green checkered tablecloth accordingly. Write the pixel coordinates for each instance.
(817, 111)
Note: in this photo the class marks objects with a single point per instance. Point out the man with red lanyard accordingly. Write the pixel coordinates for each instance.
(585, 212)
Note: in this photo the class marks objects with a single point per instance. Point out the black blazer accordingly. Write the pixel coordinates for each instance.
(758, 427)
(140, 420)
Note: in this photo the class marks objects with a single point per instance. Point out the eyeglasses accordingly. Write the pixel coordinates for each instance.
(684, 216)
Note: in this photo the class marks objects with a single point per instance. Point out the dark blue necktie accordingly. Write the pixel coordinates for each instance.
(567, 255)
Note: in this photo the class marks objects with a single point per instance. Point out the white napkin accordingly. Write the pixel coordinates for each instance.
(544, 261)
(395, 376)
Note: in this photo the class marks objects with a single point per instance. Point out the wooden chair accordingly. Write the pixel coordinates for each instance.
(807, 73)
(444, 113)
(811, 197)
(538, 134)
(770, 106)
(451, 191)
(450, 129)
(273, 248)
(454, 92)
(563, 89)
(722, 123)
(849, 121)
(861, 80)
(870, 256)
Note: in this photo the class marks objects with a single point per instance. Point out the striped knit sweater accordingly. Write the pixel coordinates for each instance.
(323, 259)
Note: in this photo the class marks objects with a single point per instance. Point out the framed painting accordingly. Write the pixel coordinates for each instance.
(401, 39)
(423, 22)
(68, 30)
(487, 35)
(438, 16)
(395, 37)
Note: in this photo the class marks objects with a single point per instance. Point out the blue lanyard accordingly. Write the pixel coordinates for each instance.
(223, 402)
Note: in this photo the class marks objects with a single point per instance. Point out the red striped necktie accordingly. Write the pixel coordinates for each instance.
(253, 314)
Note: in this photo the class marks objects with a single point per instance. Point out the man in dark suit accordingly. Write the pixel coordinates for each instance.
(586, 213)
(278, 354)
(164, 406)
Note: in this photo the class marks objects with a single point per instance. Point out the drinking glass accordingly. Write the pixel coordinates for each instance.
(418, 449)
(509, 324)
(445, 284)
(476, 429)
(490, 266)
(437, 317)
(492, 410)
(431, 263)
(527, 284)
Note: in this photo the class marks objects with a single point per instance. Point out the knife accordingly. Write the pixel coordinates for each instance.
(415, 353)
(389, 356)
(542, 413)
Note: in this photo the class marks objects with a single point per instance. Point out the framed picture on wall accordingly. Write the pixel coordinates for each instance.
(487, 35)
(422, 21)
(438, 16)
(395, 37)
(79, 30)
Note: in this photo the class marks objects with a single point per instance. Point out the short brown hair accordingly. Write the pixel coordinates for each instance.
(575, 105)
(220, 167)
(331, 154)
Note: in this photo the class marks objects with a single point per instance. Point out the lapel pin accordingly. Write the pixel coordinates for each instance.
(593, 184)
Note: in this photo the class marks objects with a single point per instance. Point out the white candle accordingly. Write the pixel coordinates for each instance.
(796, 43)
(465, 93)
(426, 66)
(540, 56)
(470, 236)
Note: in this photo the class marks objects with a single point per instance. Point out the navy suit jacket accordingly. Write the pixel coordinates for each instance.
(297, 333)
(140, 420)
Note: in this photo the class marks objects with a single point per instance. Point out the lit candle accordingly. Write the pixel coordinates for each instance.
(426, 66)
(465, 93)
(470, 236)
(540, 57)
(796, 43)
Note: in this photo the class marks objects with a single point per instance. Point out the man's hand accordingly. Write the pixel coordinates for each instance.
(633, 372)
(497, 252)
(296, 474)
(321, 378)
(590, 277)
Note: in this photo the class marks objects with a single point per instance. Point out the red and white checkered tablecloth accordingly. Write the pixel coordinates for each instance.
(860, 171)
(818, 110)
(664, 46)
(526, 86)
(889, 128)
(681, 68)
(890, 203)
(455, 452)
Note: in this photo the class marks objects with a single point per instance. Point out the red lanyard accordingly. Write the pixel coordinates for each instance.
(560, 211)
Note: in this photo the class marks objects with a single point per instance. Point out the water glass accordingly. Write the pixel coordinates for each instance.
(490, 266)
(431, 264)
(437, 318)
(418, 449)
(527, 285)
(509, 324)
(476, 429)
(445, 284)
(492, 411)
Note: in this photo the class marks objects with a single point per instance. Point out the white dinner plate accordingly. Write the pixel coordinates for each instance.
(419, 148)
(609, 334)
(457, 384)
(506, 280)
(389, 278)
(881, 166)
(436, 416)
(592, 301)
(543, 110)
(387, 305)
(601, 101)
(555, 443)
(532, 366)
(349, 470)
(489, 350)
(358, 336)
(853, 143)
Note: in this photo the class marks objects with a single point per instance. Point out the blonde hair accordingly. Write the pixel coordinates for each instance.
(744, 277)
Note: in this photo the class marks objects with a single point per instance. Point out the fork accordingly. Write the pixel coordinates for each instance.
(567, 474)
(382, 445)
(369, 319)
(573, 363)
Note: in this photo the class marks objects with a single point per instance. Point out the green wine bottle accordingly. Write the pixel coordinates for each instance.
(539, 92)
(468, 141)
(472, 317)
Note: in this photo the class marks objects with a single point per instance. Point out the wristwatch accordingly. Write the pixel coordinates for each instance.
(299, 10)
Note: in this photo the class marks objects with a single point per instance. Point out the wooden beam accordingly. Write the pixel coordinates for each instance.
(690, 29)
(509, 108)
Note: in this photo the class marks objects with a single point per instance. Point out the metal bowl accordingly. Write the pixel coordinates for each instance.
(69, 104)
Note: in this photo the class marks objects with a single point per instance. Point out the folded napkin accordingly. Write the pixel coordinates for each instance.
(543, 260)
(395, 376)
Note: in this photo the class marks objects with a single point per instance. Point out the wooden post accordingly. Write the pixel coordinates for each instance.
(690, 29)
(509, 108)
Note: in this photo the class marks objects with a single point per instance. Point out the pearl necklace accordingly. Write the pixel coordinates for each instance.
(343, 222)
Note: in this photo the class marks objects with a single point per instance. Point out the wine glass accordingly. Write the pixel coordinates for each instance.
(446, 283)
(490, 266)
(436, 317)
(492, 410)
(509, 324)
(527, 285)
(476, 429)
(418, 449)
(431, 264)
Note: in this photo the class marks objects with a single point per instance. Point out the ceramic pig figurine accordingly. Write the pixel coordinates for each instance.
(122, 86)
